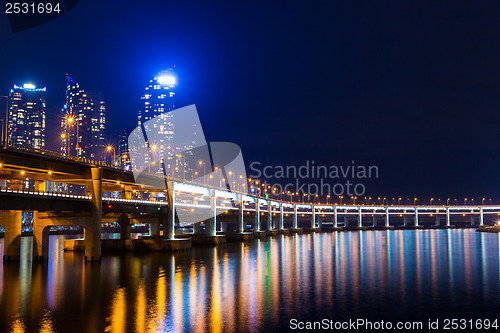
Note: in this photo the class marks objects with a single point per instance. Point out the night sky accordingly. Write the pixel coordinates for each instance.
(412, 87)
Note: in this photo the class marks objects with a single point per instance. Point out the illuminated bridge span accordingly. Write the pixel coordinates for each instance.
(111, 195)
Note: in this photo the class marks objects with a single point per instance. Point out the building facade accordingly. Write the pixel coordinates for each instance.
(157, 100)
(84, 123)
(123, 150)
(26, 116)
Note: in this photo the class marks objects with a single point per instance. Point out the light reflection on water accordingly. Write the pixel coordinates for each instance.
(258, 286)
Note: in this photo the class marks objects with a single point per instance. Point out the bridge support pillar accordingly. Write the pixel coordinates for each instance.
(335, 217)
(210, 228)
(405, 222)
(256, 226)
(437, 220)
(125, 226)
(154, 228)
(374, 221)
(11, 222)
(387, 221)
(360, 217)
(447, 217)
(481, 217)
(345, 221)
(240, 223)
(313, 217)
(126, 193)
(416, 218)
(197, 228)
(295, 218)
(472, 220)
(169, 219)
(92, 237)
(40, 239)
(281, 218)
(270, 225)
(223, 226)
(320, 223)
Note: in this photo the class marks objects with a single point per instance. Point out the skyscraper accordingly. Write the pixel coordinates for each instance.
(171, 134)
(84, 123)
(157, 101)
(26, 122)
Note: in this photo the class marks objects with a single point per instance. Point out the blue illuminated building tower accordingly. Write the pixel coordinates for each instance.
(157, 101)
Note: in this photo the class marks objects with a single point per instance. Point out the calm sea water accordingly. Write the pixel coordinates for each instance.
(258, 286)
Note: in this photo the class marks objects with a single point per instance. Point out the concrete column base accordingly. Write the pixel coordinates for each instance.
(11, 222)
(272, 232)
(411, 227)
(296, 230)
(493, 229)
(443, 227)
(197, 228)
(259, 234)
(384, 227)
(202, 239)
(238, 236)
(309, 230)
(132, 245)
(355, 228)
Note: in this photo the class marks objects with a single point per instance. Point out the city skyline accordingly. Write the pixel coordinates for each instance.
(233, 166)
(421, 106)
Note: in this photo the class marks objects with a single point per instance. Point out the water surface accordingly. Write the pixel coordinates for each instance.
(257, 286)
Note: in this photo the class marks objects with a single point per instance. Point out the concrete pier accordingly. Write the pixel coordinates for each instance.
(239, 236)
(135, 245)
(11, 222)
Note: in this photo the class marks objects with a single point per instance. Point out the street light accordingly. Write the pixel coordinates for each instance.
(70, 119)
(111, 148)
(201, 163)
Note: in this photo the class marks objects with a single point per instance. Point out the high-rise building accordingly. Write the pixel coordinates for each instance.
(26, 122)
(157, 101)
(170, 135)
(84, 123)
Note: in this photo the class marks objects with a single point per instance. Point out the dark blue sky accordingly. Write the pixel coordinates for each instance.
(412, 87)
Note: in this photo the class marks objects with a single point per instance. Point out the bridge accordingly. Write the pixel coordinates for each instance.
(222, 213)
